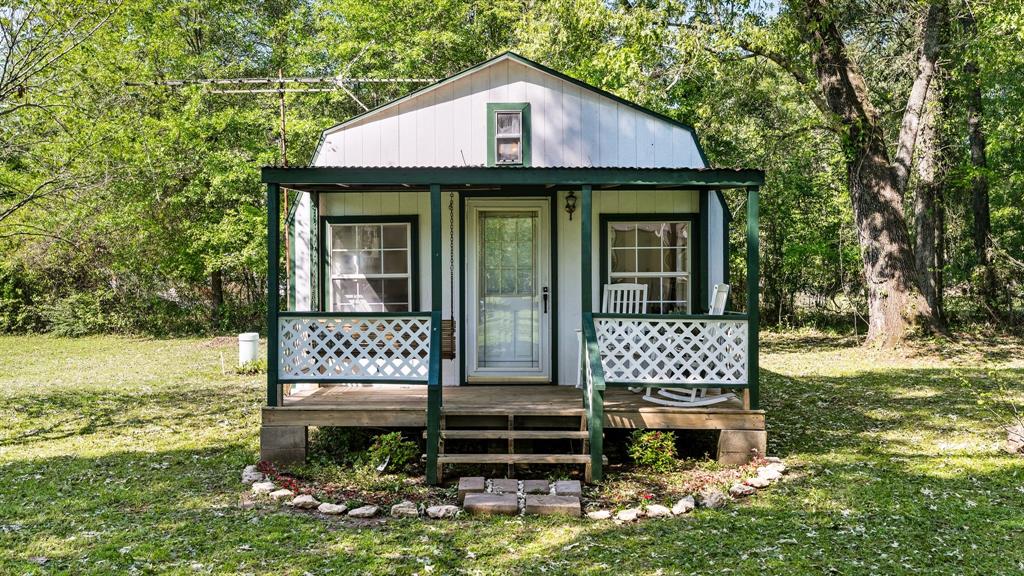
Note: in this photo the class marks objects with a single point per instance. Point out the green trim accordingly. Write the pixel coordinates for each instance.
(586, 248)
(526, 62)
(753, 288)
(697, 275)
(594, 398)
(553, 273)
(524, 109)
(315, 280)
(414, 261)
(704, 254)
(726, 226)
(305, 178)
(292, 232)
(273, 295)
(434, 400)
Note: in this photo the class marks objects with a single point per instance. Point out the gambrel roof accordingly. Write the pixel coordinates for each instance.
(574, 124)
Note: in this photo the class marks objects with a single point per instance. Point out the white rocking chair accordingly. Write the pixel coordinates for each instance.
(692, 397)
(616, 299)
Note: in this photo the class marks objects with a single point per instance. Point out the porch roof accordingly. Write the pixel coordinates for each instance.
(347, 178)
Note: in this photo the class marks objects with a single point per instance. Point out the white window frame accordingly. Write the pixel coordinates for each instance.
(409, 268)
(687, 274)
(518, 136)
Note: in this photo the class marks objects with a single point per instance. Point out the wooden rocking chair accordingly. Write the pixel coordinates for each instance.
(692, 397)
(617, 299)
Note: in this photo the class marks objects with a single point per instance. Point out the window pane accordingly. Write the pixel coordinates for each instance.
(395, 290)
(676, 234)
(509, 123)
(675, 260)
(649, 233)
(343, 237)
(396, 236)
(623, 260)
(507, 151)
(676, 290)
(622, 234)
(369, 262)
(396, 307)
(648, 260)
(343, 263)
(396, 261)
(369, 237)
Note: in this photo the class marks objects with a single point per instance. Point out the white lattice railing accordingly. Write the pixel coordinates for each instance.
(651, 350)
(338, 347)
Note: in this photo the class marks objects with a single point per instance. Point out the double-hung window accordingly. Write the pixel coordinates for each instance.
(508, 134)
(370, 266)
(655, 253)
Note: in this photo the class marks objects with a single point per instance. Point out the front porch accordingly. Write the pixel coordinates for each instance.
(385, 369)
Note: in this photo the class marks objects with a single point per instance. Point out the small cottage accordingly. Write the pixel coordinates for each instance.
(511, 254)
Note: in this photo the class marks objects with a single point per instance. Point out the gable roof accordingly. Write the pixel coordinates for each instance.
(510, 56)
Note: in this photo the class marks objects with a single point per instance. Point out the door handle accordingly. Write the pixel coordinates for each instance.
(544, 298)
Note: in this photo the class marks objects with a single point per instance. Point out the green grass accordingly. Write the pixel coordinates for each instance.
(122, 456)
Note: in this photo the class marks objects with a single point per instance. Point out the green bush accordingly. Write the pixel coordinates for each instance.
(653, 449)
(252, 368)
(390, 450)
(338, 445)
(77, 314)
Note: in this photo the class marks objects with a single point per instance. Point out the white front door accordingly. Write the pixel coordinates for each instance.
(508, 291)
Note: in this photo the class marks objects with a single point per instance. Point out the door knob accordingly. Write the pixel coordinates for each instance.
(544, 298)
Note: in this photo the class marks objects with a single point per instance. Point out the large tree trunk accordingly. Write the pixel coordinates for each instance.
(929, 211)
(982, 231)
(895, 303)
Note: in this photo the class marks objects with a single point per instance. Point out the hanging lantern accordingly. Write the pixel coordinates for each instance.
(570, 203)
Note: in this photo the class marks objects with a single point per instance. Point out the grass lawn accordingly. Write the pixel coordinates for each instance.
(121, 456)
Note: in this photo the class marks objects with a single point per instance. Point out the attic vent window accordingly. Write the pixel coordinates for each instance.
(509, 137)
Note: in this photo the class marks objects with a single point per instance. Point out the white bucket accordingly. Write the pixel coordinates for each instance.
(248, 347)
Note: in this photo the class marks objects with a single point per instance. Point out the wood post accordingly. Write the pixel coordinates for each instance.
(434, 380)
(273, 298)
(753, 289)
(595, 408)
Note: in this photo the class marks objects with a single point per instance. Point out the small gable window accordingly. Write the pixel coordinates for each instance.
(508, 134)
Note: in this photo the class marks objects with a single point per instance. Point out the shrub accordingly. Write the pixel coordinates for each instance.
(391, 450)
(337, 445)
(252, 368)
(77, 314)
(653, 449)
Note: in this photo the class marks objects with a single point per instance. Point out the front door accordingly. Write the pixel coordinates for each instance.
(508, 291)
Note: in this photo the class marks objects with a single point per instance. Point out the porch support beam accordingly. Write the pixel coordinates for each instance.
(273, 298)
(595, 407)
(753, 289)
(434, 378)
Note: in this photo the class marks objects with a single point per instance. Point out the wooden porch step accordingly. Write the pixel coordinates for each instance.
(513, 434)
(515, 459)
(513, 410)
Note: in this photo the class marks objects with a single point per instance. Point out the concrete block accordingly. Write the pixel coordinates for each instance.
(283, 444)
(536, 487)
(489, 504)
(504, 486)
(470, 485)
(736, 447)
(552, 505)
(568, 488)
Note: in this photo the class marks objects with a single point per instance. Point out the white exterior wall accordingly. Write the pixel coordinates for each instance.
(301, 264)
(715, 248)
(570, 126)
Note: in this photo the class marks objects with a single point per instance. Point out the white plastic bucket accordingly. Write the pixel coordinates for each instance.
(248, 347)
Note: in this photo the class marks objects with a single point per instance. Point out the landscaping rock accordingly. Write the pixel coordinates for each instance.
(658, 511)
(757, 482)
(769, 474)
(568, 488)
(262, 487)
(773, 459)
(777, 466)
(684, 506)
(251, 474)
(282, 494)
(599, 515)
(741, 490)
(492, 504)
(505, 486)
(628, 515)
(445, 511)
(364, 512)
(471, 485)
(332, 509)
(405, 509)
(713, 498)
(536, 487)
(1015, 439)
(305, 502)
(553, 505)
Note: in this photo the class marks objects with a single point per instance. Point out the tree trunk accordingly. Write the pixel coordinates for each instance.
(895, 303)
(928, 209)
(982, 224)
(217, 296)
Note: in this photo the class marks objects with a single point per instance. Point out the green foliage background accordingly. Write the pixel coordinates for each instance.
(149, 191)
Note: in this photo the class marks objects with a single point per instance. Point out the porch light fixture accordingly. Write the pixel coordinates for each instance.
(570, 203)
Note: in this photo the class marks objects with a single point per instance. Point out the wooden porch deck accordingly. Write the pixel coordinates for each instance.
(405, 406)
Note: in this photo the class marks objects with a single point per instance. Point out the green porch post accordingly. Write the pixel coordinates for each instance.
(753, 289)
(434, 380)
(273, 298)
(595, 408)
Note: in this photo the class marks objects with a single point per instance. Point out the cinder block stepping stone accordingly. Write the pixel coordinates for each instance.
(568, 488)
(505, 486)
(552, 505)
(536, 487)
(491, 504)
(470, 485)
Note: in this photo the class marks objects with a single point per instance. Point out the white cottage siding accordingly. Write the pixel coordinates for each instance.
(716, 241)
(570, 126)
(301, 262)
